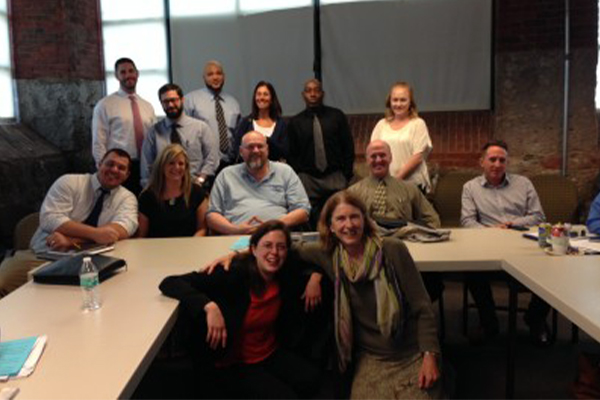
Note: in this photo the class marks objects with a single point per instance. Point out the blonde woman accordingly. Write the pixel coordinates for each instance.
(407, 136)
(171, 205)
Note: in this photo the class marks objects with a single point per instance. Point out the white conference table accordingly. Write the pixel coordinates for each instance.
(570, 284)
(104, 354)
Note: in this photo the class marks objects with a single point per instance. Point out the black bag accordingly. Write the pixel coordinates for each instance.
(66, 270)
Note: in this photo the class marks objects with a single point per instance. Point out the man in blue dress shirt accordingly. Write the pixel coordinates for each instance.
(218, 109)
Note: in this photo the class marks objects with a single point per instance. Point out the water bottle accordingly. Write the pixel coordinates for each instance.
(89, 282)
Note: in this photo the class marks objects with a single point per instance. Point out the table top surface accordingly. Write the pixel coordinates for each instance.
(570, 284)
(105, 353)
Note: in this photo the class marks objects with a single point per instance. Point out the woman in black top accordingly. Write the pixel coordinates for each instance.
(250, 316)
(171, 205)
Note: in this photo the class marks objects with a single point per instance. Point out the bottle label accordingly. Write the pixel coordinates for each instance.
(89, 281)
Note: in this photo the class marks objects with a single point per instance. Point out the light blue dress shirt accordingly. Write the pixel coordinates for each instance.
(196, 138)
(514, 200)
(200, 104)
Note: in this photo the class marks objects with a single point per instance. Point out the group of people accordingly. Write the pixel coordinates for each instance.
(205, 170)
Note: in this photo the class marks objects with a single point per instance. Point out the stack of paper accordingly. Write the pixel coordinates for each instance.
(18, 358)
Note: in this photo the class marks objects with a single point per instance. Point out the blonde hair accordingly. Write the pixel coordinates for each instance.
(156, 184)
(412, 108)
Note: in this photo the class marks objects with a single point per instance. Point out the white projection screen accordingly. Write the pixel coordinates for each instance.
(441, 47)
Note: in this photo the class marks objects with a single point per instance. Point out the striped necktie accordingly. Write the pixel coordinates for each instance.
(223, 139)
(379, 202)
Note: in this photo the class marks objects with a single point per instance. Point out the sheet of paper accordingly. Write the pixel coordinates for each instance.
(13, 355)
(241, 243)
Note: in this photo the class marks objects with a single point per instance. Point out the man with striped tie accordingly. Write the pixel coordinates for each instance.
(219, 110)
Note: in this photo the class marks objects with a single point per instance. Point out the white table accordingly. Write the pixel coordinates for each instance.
(104, 354)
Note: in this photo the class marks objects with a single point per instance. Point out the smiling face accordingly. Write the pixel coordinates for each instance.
(127, 75)
(379, 158)
(113, 170)
(176, 168)
(347, 224)
(262, 98)
(494, 163)
(400, 101)
(270, 253)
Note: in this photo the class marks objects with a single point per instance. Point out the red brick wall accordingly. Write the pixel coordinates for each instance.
(56, 39)
(457, 137)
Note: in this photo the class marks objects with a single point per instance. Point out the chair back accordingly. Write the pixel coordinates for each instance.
(448, 194)
(24, 230)
(559, 198)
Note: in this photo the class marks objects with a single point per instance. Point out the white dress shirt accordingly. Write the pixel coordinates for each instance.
(72, 198)
(112, 124)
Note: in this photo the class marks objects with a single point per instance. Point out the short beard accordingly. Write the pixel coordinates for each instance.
(255, 164)
(174, 114)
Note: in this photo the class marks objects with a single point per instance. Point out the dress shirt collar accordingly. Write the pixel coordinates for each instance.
(96, 185)
(123, 93)
(181, 121)
(484, 183)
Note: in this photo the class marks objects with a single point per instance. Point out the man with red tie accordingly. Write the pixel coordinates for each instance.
(121, 120)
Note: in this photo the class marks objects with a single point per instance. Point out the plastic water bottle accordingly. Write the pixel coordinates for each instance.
(89, 282)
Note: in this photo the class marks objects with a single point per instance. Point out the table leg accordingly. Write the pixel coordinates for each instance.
(512, 339)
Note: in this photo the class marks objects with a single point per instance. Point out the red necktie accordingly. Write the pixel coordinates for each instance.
(138, 126)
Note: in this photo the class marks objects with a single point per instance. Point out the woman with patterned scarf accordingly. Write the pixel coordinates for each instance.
(384, 323)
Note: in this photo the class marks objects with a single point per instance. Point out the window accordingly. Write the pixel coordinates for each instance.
(136, 29)
(7, 108)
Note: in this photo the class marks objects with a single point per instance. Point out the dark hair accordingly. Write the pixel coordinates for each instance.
(257, 283)
(120, 153)
(494, 143)
(328, 239)
(168, 87)
(274, 109)
(124, 60)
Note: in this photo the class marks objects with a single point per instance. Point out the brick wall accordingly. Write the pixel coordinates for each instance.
(56, 39)
(528, 81)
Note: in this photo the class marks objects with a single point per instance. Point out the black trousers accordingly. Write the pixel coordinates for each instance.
(283, 375)
(479, 285)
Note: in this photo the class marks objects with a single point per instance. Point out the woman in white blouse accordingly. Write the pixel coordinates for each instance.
(407, 136)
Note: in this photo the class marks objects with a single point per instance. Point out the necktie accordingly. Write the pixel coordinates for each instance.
(379, 207)
(320, 157)
(175, 138)
(92, 219)
(223, 139)
(138, 126)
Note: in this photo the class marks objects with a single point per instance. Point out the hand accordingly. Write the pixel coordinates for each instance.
(224, 261)
(217, 332)
(248, 227)
(106, 235)
(429, 373)
(312, 293)
(58, 241)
